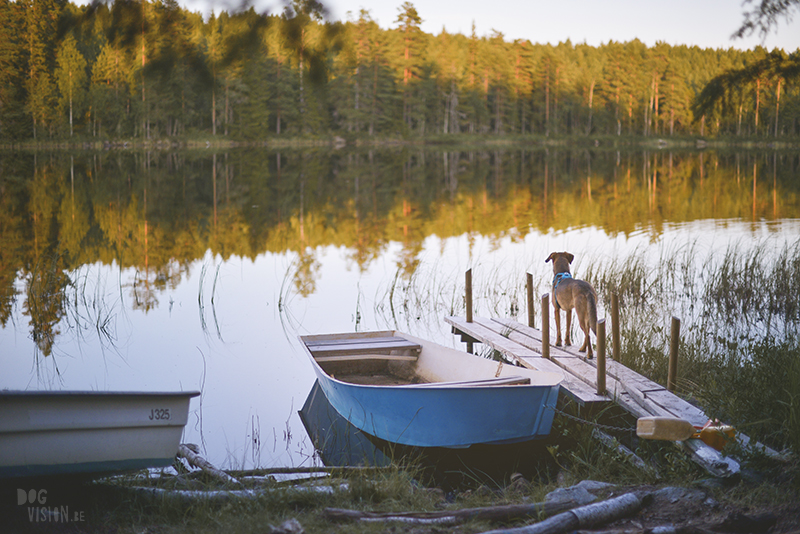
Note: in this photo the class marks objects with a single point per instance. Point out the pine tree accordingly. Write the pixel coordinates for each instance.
(408, 21)
(41, 20)
(12, 52)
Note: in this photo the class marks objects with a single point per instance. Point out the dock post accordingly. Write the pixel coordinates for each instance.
(615, 348)
(468, 297)
(546, 326)
(530, 300)
(675, 338)
(601, 357)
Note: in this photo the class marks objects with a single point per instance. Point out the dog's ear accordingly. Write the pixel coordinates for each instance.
(550, 257)
(569, 256)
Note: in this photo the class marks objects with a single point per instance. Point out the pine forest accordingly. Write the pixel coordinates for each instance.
(153, 70)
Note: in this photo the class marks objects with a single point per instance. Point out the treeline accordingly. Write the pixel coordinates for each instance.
(153, 70)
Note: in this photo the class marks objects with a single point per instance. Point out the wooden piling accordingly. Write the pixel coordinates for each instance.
(546, 326)
(468, 297)
(530, 301)
(601, 357)
(468, 290)
(615, 348)
(675, 338)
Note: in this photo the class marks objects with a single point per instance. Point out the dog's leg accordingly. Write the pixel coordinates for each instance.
(587, 342)
(567, 337)
(558, 325)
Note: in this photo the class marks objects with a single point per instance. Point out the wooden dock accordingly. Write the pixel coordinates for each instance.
(635, 393)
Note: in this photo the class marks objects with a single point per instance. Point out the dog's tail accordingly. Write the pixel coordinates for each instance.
(592, 299)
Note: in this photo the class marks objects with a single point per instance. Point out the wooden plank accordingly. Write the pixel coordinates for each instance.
(494, 340)
(350, 340)
(383, 345)
(576, 366)
(630, 405)
(571, 386)
(362, 357)
(614, 369)
(581, 393)
(677, 407)
(710, 458)
(500, 381)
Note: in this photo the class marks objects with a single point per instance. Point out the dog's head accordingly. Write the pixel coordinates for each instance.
(561, 261)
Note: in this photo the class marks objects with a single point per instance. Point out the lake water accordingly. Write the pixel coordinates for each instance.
(197, 271)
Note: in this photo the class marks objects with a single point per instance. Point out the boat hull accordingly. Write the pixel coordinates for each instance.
(446, 416)
(88, 433)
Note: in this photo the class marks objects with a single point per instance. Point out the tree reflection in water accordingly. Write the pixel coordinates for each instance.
(159, 212)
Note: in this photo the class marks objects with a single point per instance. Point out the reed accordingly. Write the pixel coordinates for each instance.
(739, 352)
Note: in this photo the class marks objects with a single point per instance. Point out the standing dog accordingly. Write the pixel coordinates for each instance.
(569, 293)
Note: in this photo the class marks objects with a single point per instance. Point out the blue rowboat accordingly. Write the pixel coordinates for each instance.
(88, 433)
(410, 391)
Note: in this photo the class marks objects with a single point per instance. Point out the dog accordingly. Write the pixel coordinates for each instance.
(569, 293)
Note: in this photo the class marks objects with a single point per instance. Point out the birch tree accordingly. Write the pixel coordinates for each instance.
(70, 75)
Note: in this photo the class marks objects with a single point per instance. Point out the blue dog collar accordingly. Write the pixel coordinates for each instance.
(558, 278)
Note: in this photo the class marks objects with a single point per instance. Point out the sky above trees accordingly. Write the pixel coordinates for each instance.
(708, 24)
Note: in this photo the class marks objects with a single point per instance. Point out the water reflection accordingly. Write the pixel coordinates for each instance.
(191, 270)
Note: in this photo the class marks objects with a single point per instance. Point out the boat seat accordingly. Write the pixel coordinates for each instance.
(362, 357)
(361, 346)
(500, 381)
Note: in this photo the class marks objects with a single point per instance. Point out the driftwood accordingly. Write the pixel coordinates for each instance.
(223, 496)
(453, 517)
(201, 463)
(299, 470)
(735, 522)
(585, 517)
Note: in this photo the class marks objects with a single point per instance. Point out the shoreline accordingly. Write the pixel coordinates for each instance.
(460, 140)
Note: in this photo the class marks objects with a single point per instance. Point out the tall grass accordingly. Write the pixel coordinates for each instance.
(739, 354)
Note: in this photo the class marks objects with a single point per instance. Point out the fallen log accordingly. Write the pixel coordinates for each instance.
(201, 463)
(304, 469)
(223, 496)
(585, 517)
(452, 517)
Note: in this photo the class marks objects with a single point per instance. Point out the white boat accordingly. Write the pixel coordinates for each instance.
(46, 433)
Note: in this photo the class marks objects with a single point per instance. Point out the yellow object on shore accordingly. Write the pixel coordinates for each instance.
(664, 428)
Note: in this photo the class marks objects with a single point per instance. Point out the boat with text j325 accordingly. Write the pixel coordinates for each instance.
(48, 433)
(410, 391)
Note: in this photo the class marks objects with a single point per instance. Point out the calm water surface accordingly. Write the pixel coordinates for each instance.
(197, 271)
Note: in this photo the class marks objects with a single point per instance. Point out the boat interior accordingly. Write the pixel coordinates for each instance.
(384, 361)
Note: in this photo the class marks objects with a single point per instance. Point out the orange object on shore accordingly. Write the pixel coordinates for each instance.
(715, 434)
